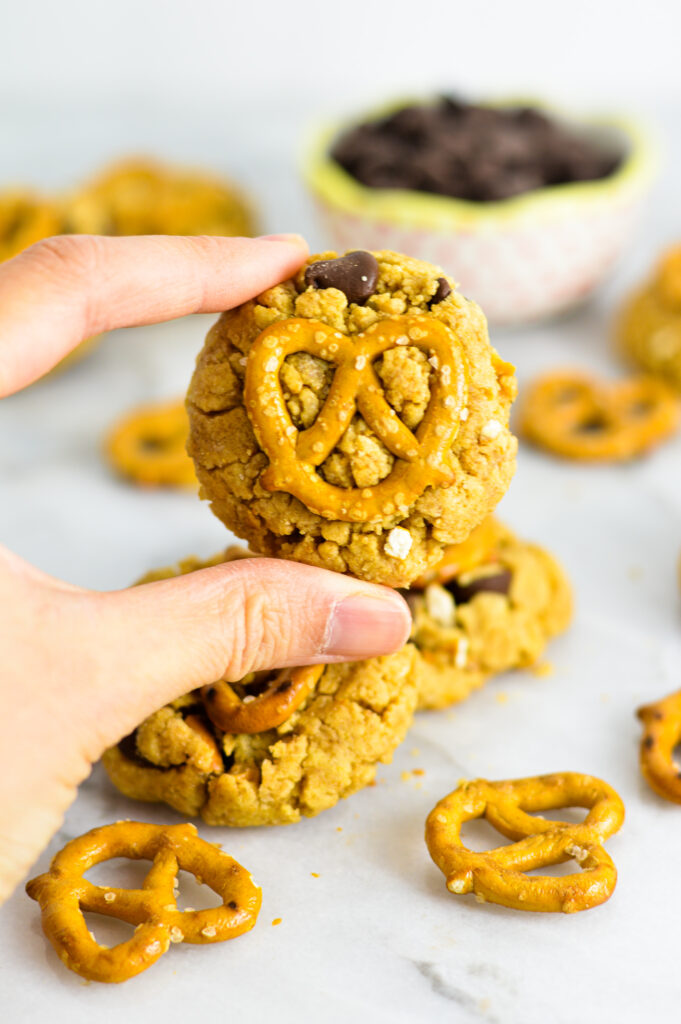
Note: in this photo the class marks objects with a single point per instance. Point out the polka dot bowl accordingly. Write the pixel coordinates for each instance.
(521, 259)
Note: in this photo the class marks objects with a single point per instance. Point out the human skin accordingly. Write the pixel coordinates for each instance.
(80, 669)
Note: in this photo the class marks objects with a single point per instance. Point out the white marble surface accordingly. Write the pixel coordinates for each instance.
(376, 937)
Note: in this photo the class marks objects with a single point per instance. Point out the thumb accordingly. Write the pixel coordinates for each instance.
(165, 638)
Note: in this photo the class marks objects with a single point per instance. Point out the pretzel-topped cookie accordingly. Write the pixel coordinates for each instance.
(285, 692)
(499, 876)
(63, 894)
(421, 458)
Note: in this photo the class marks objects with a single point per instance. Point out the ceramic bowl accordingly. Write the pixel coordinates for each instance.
(521, 259)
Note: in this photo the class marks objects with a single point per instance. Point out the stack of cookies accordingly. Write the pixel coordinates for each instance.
(355, 418)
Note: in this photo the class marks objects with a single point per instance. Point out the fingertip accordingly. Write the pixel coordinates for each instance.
(367, 624)
(292, 239)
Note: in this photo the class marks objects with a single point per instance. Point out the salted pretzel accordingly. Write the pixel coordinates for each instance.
(498, 875)
(64, 894)
(579, 417)
(661, 733)
(479, 547)
(286, 691)
(421, 459)
(149, 446)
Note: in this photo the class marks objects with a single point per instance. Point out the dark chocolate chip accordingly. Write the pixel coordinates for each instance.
(496, 581)
(443, 290)
(354, 274)
(470, 152)
(232, 904)
(412, 597)
(128, 748)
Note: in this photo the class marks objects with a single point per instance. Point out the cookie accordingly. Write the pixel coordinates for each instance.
(492, 605)
(649, 324)
(354, 417)
(148, 446)
(146, 197)
(352, 719)
(25, 218)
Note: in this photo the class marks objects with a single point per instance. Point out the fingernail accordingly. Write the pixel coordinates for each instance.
(363, 627)
(297, 239)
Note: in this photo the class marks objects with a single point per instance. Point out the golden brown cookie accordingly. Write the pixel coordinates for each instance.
(577, 416)
(354, 417)
(648, 327)
(487, 617)
(149, 446)
(147, 197)
(25, 218)
(349, 721)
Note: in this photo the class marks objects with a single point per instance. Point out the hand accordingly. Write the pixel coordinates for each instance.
(80, 669)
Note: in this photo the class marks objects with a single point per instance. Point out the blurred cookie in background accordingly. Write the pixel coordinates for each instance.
(649, 325)
(25, 218)
(142, 196)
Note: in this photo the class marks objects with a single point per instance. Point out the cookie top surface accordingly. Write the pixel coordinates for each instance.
(354, 417)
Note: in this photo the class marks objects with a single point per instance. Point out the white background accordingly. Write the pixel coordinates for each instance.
(376, 937)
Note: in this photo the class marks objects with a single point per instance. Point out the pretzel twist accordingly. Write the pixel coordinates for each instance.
(498, 875)
(422, 459)
(480, 546)
(149, 446)
(575, 416)
(661, 733)
(286, 692)
(63, 895)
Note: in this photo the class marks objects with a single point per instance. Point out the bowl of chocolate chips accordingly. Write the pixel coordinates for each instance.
(526, 208)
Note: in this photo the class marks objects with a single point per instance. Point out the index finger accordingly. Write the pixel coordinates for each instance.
(66, 289)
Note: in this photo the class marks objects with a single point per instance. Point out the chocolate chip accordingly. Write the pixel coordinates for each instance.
(648, 742)
(128, 748)
(443, 290)
(354, 274)
(492, 580)
(477, 153)
(232, 904)
(412, 597)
